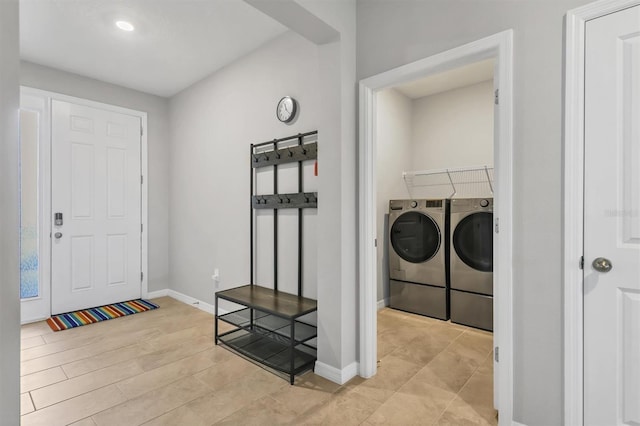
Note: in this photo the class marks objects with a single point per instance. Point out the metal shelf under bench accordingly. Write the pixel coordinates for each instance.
(268, 330)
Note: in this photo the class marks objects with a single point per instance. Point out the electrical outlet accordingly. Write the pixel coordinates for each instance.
(216, 277)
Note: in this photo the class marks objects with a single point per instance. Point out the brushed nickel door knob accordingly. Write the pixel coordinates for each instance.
(602, 264)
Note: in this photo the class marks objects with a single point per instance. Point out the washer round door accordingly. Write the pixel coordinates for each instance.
(473, 241)
(415, 237)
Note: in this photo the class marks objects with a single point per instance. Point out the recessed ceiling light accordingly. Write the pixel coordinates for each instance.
(125, 26)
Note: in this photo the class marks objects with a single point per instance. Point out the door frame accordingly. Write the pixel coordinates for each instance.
(500, 47)
(45, 197)
(573, 189)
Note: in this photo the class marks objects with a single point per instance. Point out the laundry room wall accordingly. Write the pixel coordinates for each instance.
(157, 109)
(394, 156)
(391, 34)
(453, 128)
(213, 124)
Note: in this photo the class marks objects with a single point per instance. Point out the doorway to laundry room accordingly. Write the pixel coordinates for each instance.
(434, 228)
(435, 155)
(435, 141)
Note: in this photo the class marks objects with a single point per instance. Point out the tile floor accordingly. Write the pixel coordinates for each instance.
(162, 368)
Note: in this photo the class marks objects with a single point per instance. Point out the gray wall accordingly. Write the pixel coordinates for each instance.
(213, 123)
(337, 214)
(9, 223)
(157, 109)
(392, 33)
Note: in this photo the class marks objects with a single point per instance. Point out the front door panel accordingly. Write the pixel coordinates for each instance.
(96, 250)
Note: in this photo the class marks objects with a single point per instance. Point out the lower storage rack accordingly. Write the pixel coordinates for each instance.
(269, 330)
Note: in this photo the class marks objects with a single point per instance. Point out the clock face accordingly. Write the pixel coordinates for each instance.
(286, 110)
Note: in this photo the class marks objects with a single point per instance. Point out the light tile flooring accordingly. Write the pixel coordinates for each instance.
(162, 368)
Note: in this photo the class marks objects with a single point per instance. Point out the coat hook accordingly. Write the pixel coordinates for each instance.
(290, 153)
(255, 158)
(277, 153)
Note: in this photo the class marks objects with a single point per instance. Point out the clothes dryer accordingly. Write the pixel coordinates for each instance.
(418, 256)
(471, 262)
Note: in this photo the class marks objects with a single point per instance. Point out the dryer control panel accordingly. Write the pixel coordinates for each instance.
(415, 204)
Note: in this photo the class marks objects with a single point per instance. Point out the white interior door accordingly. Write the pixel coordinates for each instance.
(95, 185)
(612, 220)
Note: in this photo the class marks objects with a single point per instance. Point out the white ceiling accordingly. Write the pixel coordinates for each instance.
(175, 43)
(448, 80)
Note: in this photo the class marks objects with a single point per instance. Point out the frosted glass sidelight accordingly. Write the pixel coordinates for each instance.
(29, 283)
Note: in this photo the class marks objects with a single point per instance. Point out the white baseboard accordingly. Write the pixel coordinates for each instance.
(157, 293)
(335, 375)
(191, 301)
(517, 424)
(31, 320)
(383, 303)
(186, 300)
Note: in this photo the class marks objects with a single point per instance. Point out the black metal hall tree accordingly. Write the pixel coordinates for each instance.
(269, 328)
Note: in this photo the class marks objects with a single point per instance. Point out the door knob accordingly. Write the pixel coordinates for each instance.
(58, 235)
(601, 264)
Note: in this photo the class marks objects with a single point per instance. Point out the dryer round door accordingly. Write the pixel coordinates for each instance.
(473, 241)
(415, 237)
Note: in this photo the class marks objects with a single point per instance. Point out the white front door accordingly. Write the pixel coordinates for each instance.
(612, 220)
(96, 189)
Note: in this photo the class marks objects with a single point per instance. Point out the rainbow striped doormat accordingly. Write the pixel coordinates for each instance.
(102, 313)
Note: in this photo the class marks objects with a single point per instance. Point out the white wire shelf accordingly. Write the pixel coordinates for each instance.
(463, 182)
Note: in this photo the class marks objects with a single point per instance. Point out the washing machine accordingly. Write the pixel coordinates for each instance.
(418, 231)
(471, 262)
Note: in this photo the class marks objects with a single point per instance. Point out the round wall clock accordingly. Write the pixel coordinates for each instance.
(287, 109)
